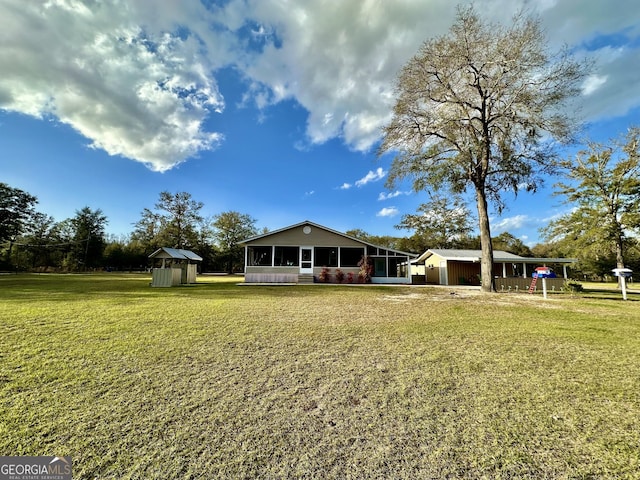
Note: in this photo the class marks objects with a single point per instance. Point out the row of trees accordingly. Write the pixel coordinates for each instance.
(31, 240)
(603, 186)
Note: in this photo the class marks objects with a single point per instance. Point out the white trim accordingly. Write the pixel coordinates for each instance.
(306, 271)
(390, 280)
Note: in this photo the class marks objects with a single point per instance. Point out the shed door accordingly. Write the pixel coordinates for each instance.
(306, 259)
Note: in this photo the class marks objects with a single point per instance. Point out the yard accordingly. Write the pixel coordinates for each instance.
(218, 380)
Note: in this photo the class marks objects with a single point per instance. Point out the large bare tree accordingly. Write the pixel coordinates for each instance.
(481, 108)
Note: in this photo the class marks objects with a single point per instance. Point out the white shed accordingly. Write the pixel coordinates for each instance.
(178, 267)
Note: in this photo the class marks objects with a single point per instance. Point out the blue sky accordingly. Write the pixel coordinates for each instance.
(268, 107)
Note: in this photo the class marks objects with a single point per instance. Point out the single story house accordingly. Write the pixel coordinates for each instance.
(462, 267)
(301, 253)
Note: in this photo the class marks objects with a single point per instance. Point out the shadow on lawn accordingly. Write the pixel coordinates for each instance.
(129, 287)
(609, 294)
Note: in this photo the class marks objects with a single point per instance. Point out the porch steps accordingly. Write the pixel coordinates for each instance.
(305, 278)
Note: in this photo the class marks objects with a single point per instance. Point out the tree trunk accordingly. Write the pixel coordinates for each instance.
(8, 259)
(486, 262)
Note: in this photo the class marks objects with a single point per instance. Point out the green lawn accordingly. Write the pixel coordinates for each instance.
(217, 380)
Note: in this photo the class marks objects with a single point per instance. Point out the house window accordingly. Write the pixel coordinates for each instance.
(325, 257)
(286, 256)
(395, 266)
(349, 257)
(259, 256)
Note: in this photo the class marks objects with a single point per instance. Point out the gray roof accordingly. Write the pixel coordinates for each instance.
(176, 253)
(307, 222)
(498, 256)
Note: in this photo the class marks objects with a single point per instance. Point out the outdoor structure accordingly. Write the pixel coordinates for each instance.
(462, 267)
(301, 253)
(178, 267)
(623, 274)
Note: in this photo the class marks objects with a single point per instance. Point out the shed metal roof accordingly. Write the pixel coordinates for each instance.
(176, 253)
(498, 256)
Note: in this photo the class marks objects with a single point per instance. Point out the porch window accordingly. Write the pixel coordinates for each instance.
(286, 256)
(259, 256)
(349, 256)
(380, 267)
(395, 263)
(325, 257)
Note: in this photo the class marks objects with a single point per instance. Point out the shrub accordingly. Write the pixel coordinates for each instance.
(366, 270)
(339, 275)
(571, 286)
(324, 276)
(350, 277)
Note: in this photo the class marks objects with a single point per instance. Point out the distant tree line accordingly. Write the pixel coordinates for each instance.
(34, 241)
(601, 186)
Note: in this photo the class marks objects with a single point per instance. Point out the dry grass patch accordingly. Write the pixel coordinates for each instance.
(219, 381)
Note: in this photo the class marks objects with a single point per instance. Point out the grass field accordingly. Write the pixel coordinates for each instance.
(218, 380)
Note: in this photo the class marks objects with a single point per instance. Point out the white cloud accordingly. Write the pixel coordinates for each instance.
(372, 176)
(133, 88)
(593, 83)
(345, 186)
(340, 62)
(138, 78)
(388, 212)
(557, 215)
(387, 196)
(346, 85)
(510, 223)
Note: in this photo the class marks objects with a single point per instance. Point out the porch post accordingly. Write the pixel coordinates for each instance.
(504, 269)
(524, 270)
(564, 270)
